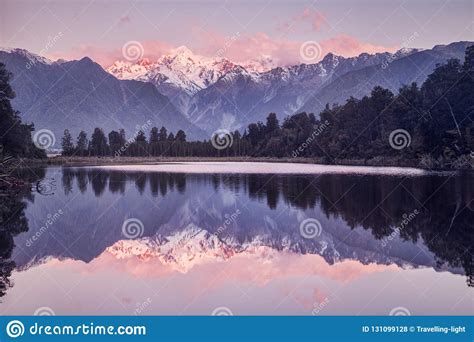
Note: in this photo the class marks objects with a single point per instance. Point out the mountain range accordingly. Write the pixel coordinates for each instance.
(198, 94)
(81, 95)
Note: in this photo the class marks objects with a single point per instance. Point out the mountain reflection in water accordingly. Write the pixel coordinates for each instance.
(190, 220)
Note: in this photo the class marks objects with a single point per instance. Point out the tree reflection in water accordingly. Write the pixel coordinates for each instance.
(376, 203)
(445, 205)
(13, 201)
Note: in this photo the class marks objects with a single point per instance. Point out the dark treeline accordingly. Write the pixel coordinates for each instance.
(15, 136)
(437, 120)
(15, 142)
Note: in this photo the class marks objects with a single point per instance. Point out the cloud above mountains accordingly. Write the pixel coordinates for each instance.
(308, 20)
(276, 48)
(239, 48)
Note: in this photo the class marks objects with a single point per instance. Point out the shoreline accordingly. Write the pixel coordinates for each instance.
(101, 161)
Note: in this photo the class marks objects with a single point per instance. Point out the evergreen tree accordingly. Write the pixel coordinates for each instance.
(82, 143)
(180, 136)
(67, 144)
(142, 146)
(98, 143)
(116, 143)
(163, 134)
(154, 142)
(272, 125)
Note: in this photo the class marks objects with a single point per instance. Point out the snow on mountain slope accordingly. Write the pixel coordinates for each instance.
(31, 57)
(217, 93)
(181, 68)
(81, 95)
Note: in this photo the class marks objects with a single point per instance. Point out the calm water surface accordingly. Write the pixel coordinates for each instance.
(129, 241)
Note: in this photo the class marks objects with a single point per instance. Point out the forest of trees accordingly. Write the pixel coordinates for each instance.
(437, 118)
(15, 136)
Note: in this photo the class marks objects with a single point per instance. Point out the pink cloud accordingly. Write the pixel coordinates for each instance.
(152, 50)
(348, 46)
(125, 19)
(238, 48)
(284, 51)
(316, 20)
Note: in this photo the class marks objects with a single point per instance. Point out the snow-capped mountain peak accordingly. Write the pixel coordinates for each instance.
(32, 57)
(127, 70)
(260, 64)
(180, 70)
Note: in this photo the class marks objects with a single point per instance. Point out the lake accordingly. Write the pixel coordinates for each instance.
(238, 238)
